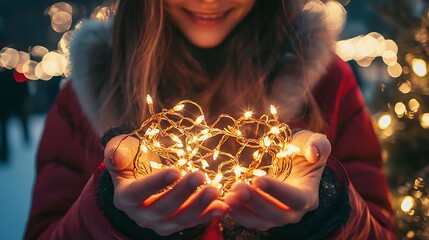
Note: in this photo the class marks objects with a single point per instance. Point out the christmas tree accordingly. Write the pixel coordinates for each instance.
(396, 86)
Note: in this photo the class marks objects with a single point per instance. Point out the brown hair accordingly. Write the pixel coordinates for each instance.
(150, 56)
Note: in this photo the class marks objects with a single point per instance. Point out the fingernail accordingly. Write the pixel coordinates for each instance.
(316, 152)
(196, 180)
(243, 193)
(261, 183)
(208, 197)
(171, 177)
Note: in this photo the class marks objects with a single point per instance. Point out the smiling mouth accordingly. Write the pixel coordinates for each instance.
(207, 19)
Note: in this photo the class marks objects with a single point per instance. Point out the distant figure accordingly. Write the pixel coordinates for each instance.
(13, 100)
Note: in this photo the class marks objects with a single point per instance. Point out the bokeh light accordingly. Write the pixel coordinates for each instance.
(394, 70)
(405, 87)
(54, 63)
(61, 22)
(407, 204)
(28, 69)
(364, 49)
(9, 57)
(384, 121)
(414, 105)
(38, 51)
(419, 67)
(400, 109)
(424, 120)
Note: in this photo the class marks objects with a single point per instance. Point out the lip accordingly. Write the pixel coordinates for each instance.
(207, 18)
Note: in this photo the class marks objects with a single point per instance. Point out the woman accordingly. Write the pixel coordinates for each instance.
(227, 56)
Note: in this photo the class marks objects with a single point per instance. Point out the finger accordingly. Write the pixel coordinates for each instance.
(172, 225)
(314, 146)
(200, 208)
(133, 192)
(291, 196)
(170, 202)
(261, 203)
(244, 215)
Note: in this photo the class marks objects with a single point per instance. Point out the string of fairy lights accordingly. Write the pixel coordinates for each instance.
(225, 150)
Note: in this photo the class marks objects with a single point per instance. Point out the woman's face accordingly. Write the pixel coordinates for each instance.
(206, 23)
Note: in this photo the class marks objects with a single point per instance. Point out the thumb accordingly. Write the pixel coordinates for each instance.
(314, 146)
(119, 154)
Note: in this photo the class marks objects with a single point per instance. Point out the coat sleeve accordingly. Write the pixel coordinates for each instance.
(356, 146)
(65, 203)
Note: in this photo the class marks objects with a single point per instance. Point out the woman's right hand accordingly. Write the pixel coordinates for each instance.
(168, 212)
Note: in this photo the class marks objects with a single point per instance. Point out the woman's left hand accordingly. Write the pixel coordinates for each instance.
(268, 202)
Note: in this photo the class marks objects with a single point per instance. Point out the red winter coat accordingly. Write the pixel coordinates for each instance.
(65, 201)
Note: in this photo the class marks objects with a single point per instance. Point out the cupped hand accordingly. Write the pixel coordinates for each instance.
(143, 200)
(269, 202)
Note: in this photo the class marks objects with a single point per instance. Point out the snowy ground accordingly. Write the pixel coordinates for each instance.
(17, 177)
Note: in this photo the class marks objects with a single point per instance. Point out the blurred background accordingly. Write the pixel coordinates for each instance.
(384, 41)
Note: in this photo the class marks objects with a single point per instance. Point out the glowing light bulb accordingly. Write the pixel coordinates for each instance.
(155, 165)
(149, 102)
(176, 139)
(180, 152)
(217, 178)
(143, 148)
(238, 170)
(151, 132)
(291, 149)
(248, 114)
(256, 155)
(273, 110)
(215, 154)
(179, 107)
(156, 144)
(199, 119)
(267, 141)
(149, 99)
(282, 154)
(204, 137)
(182, 162)
(204, 163)
(194, 152)
(275, 130)
(259, 172)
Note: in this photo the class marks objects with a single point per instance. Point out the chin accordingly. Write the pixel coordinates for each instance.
(206, 42)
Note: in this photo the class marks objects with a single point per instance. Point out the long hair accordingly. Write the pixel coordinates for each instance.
(150, 56)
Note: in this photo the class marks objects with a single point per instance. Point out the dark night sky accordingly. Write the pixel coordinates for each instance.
(25, 24)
